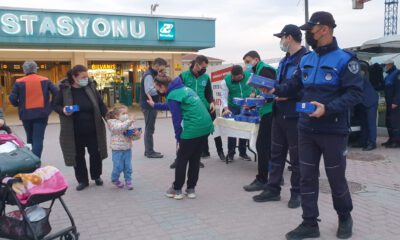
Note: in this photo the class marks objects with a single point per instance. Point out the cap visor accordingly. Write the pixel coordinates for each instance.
(279, 35)
(307, 26)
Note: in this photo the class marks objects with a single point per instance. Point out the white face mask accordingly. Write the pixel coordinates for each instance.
(123, 117)
(284, 48)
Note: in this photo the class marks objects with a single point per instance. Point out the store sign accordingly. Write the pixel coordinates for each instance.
(216, 78)
(166, 30)
(74, 30)
(103, 66)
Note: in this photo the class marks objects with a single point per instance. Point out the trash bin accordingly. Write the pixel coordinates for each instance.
(110, 94)
(126, 97)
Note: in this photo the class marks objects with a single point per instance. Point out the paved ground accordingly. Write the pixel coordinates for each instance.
(222, 210)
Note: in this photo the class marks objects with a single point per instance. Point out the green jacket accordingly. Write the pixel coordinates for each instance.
(198, 85)
(239, 90)
(266, 108)
(196, 120)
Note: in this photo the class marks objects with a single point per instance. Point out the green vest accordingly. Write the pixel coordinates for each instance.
(198, 85)
(196, 119)
(240, 89)
(266, 108)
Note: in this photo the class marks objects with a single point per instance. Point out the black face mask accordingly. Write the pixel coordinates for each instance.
(202, 71)
(310, 40)
(161, 94)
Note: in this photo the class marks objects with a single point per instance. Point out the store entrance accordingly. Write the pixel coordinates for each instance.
(118, 81)
(11, 71)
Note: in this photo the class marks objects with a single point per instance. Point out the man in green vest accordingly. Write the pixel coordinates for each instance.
(192, 125)
(197, 79)
(235, 86)
(263, 145)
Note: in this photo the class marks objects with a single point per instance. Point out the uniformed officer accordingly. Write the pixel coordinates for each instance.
(198, 80)
(284, 123)
(392, 97)
(329, 78)
(235, 85)
(367, 111)
(263, 145)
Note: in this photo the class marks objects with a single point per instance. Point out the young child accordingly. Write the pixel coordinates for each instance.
(119, 122)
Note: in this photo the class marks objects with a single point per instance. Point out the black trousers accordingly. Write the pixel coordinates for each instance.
(333, 148)
(284, 139)
(263, 146)
(81, 172)
(189, 152)
(217, 140)
(232, 141)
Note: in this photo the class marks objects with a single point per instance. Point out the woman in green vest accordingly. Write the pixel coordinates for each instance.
(192, 125)
(263, 145)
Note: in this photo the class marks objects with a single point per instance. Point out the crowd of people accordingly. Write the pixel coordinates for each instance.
(330, 78)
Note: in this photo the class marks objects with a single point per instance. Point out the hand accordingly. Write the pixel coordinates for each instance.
(66, 113)
(281, 99)
(394, 106)
(212, 107)
(253, 95)
(267, 90)
(177, 147)
(151, 102)
(137, 133)
(319, 112)
(2, 122)
(226, 111)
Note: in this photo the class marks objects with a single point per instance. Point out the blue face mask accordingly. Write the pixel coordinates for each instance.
(249, 67)
(83, 82)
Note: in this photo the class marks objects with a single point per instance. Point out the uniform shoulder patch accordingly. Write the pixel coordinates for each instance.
(354, 66)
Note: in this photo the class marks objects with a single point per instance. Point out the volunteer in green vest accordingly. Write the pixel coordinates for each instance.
(235, 85)
(263, 145)
(192, 125)
(197, 79)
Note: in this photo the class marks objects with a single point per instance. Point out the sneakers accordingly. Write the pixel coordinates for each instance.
(345, 228)
(254, 186)
(245, 157)
(201, 165)
(190, 193)
(118, 184)
(205, 155)
(129, 185)
(154, 155)
(295, 201)
(229, 157)
(388, 142)
(393, 145)
(175, 194)
(221, 156)
(369, 147)
(267, 196)
(99, 182)
(303, 231)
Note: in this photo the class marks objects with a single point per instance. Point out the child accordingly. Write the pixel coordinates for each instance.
(119, 122)
(192, 125)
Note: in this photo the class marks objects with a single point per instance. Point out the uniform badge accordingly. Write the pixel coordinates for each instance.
(328, 76)
(353, 66)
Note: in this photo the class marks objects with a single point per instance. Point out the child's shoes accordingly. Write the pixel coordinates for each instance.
(119, 184)
(129, 185)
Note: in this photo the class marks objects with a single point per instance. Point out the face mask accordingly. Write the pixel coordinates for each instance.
(249, 67)
(83, 82)
(202, 71)
(310, 40)
(284, 48)
(123, 117)
(161, 94)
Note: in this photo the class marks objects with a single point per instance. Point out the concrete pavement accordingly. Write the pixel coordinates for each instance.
(222, 209)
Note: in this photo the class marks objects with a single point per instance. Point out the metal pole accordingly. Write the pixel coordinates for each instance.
(306, 17)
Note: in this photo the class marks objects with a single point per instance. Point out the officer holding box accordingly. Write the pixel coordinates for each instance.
(284, 123)
(235, 86)
(329, 78)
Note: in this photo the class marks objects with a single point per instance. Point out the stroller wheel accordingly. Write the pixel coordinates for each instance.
(70, 236)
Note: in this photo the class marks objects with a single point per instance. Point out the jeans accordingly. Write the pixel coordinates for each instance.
(35, 129)
(122, 162)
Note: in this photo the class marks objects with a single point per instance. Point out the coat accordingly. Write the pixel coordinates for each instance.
(67, 136)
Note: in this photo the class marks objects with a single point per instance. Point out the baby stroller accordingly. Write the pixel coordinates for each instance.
(26, 190)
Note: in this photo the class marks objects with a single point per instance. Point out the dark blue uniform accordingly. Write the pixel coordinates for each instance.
(284, 129)
(330, 76)
(392, 96)
(367, 111)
